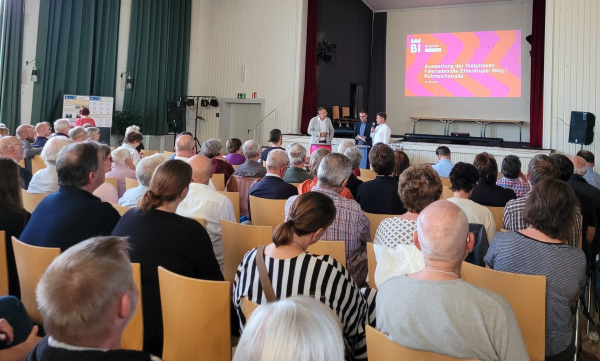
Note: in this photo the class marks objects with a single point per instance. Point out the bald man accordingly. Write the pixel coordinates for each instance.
(26, 134)
(11, 147)
(204, 202)
(434, 310)
(185, 147)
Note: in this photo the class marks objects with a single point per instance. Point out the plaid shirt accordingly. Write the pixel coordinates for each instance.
(351, 226)
(515, 184)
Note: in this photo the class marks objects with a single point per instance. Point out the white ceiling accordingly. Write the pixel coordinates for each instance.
(384, 5)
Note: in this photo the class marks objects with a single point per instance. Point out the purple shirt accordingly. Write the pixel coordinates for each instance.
(235, 158)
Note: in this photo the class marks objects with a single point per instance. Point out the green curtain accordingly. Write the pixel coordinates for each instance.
(76, 53)
(158, 56)
(11, 57)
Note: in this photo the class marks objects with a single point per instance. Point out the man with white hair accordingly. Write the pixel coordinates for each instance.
(87, 296)
(42, 132)
(185, 147)
(11, 147)
(272, 186)
(46, 180)
(434, 310)
(78, 134)
(204, 202)
(62, 127)
(296, 173)
(26, 135)
(143, 172)
(350, 224)
(252, 167)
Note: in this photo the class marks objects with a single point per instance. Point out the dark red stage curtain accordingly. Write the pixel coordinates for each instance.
(536, 101)
(309, 102)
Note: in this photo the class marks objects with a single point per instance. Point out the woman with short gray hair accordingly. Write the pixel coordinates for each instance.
(122, 168)
(211, 149)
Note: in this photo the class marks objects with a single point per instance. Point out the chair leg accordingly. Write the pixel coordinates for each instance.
(577, 334)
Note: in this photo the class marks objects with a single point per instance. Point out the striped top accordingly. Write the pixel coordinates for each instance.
(564, 268)
(320, 277)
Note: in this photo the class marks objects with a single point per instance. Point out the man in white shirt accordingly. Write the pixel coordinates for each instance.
(320, 128)
(204, 202)
(381, 133)
(143, 172)
(185, 147)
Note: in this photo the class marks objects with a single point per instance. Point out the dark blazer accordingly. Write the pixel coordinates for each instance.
(366, 133)
(491, 195)
(67, 217)
(589, 202)
(25, 177)
(353, 184)
(380, 196)
(273, 188)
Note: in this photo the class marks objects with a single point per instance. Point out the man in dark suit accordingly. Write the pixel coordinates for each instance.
(272, 186)
(362, 130)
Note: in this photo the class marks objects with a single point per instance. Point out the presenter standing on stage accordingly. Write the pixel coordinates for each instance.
(320, 128)
(381, 133)
(362, 130)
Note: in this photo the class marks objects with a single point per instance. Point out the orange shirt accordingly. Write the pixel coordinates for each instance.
(308, 184)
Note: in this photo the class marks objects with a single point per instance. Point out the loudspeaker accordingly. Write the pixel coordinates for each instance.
(175, 112)
(581, 130)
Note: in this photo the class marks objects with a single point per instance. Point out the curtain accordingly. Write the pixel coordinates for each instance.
(536, 101)
(158, 56)
(309, 102)
(377, 84)
(11, 40)
(76, 53)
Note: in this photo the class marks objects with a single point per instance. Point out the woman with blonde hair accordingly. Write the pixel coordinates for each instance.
(159, 237)
(93, 134)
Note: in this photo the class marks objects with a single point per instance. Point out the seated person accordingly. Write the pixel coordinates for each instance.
(77, 134)
(380, 196)
(86, 297)
(93, 134)
(276, 138)
(434, 310)
(445, 165)
(212, 149)
(512, 177)
(395, 250)
(42, 132)
(18, 334)
(143, 172)
(234, 148)
(315, 330)
(26, 135)
(315, 161)
(107, 192)
(320, 277)
(132, 141)
(486, 192)
(46, 180)
(401, 163)
(542, 249)
(355, 157)
(185, 147)
(296, 173)
(345, 145)
(252, 167)
(122, 167)
(272, 186)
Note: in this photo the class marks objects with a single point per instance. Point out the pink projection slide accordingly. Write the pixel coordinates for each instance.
(473, 64)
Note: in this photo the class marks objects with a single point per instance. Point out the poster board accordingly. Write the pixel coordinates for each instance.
(101, 108)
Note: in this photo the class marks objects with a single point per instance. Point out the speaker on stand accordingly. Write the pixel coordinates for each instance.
(175, 116)
(581, 130)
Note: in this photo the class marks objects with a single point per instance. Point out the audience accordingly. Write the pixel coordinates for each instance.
(93, 134)
(86, 298)
(541, 249)
(73, 213)
(276, 138)
(486, 192)
(315, 161)
(315, 330)
(396, 253)
(159, 237)
(345, 144)
(62, 127)
(45, 180)
(234, 150)
(272, 186)
(579, 185)
(135, 128)
(463, 178)
(206, 203)
(122, 167)
(252, 167)
(4, 132)
(26, 135)
(434, 310)
(11, 147)
(296, 173)
(590, 176)
(18, 334)
(78, 134)
(401, 163)
(143, 172)
(211, 149)
(42, 132)
(445, 165)
(185, 147)
(131, 142)
(512, 177)
(355, 157)
(106, 191)
(380, 196)
(293, 271)
(350, 224)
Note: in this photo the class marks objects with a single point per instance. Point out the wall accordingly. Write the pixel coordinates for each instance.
(571, 69)
(30, 28)
(490, 16)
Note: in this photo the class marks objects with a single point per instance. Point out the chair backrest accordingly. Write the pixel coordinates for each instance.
(375, 219)
(121, 209)
(37, 163)
(446, 182)
(382, 349)
(196, 319)
(234, 166)
(113, 181)
(336, 112)
(345, 112)
(447, 192)
(168, 154)
(202, 221)
(267, 212)
(242, 186)
(498, 213)
(372, 265)
(22, 163)
(131, 183)
(133, 335)
(218, 180)
(239, 239)
(234, 197)
(335, 249)
(31, 200)
(248, 307)
(148, 152)
(526, 294)
(364, 179)
(3, 265)
(368, 173)
(295, 184)
(32, 262)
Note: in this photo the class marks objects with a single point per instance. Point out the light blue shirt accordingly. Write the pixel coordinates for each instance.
(444, 167)
(362, 131)
(132, 196)
(592, 177)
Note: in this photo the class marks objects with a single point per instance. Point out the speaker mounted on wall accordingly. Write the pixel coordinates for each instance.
(581, 130)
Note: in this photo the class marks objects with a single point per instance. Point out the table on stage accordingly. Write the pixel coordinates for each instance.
(482, 122)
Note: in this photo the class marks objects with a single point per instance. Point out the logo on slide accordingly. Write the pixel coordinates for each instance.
(415, 45)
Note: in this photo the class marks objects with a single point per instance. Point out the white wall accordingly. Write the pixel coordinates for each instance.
(489, 16)
(571, 69)
(30, 28)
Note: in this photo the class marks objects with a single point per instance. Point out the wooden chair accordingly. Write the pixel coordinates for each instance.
(372, 265)
(218, 180)
(148, 152)
(131, 183)
(112, 181)
(368, 173)
(248, 307)
(267, 212)
(22, 163)
(375, 219)
(239, 239)
(195, 318)
(202, 221)
(526, 294)
(235, 166)
(133, 335)
(364, 179)
(3, 265)
(382, 349)
(446, 182)
(32, 262)
(37, 163)
(346, 116)
(335, 110)
(31, 200)
(335, 249)
(447, 192)
(295, 184)
(168, 154)
(234, 197)
(498, 213)
(242, 186)
(121, 209)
